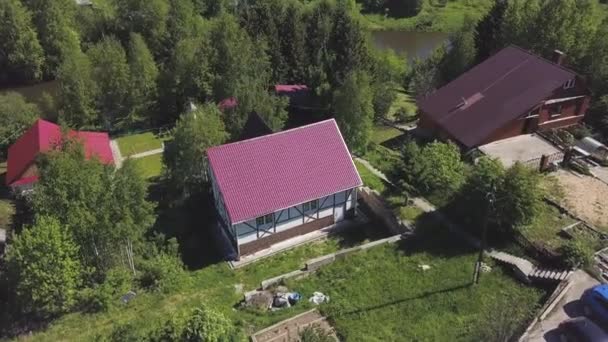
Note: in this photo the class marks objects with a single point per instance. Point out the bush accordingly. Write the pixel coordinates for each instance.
(576, 254)
(163, 270)
(315, 333)
(207, 325)
(100, 298)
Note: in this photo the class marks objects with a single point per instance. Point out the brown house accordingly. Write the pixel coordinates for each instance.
(511, 93)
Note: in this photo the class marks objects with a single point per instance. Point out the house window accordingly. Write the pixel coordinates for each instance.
(262, 220)
(312, 205)
(569, 84)
(534, 113)
(555, 111)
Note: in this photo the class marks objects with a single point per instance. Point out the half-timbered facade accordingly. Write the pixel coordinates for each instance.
(282, 185)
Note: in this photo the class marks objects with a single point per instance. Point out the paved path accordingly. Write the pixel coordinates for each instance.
(569, 306)
(147, 153)
(119, 159)
(601, 173)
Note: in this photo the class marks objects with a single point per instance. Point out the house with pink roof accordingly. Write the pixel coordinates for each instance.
(278, 186)
(43, 136)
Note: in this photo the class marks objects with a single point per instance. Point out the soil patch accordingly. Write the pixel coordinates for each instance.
(585, 196)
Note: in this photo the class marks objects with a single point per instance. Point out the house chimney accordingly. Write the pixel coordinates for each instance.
(558, 57)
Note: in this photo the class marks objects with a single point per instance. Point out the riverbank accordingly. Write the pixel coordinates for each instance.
(432, 17)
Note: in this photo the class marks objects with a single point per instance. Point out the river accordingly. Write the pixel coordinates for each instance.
(414, 44)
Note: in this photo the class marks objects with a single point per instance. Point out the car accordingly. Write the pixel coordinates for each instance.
(595, 303)
(581, 329)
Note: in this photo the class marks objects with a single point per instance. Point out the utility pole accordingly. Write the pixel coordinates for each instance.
(490, 197)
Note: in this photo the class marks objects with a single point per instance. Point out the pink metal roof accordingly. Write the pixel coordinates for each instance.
(277, 171)
(41, 137)
(288, 88)
(227, 103)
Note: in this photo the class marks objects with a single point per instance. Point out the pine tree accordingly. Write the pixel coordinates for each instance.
(353, 109)
(144, 75)
(77, 91)
(488, 34)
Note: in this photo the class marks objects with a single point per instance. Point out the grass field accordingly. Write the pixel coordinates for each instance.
(382, 133)
(369, 179)
(382, 295)
(138, 143)
(404, 102)
(433, 17)
(151, 166)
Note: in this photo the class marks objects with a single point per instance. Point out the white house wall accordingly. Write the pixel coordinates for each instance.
(246, 231)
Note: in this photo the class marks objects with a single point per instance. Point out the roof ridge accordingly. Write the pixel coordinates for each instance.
(274, 134)
(530, 53)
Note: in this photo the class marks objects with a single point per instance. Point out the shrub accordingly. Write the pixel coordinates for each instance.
(162, 272)
(577, 254)
(100, 298)
(315, 333)
(207, 325)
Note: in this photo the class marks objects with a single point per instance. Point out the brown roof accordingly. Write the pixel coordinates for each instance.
(493, 93)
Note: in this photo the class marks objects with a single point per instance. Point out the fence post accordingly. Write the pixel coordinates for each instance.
(544, 162)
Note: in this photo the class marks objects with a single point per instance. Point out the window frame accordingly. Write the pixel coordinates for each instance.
(555, 110)
(570, 84)
(310, 205)
(269, 218)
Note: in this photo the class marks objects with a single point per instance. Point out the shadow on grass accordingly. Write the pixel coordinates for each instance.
(361, 234)
(190, 223)
(423, 295)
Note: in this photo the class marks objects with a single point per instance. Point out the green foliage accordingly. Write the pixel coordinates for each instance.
(520, 197)
(146, 17)
(577, 253)
(354, 111)
(16, 116)
(111, 73)
(315, 333)
(488, 34)
(43, 263)
(54, 21)
(462, 53)
(103, 209)
(101, 297)
(77, 91)
(164, 271)
(434, 167)
(543, 26)
(425, 75)
(207, 325)
(194, 132)
(22, 56)
(143, 77)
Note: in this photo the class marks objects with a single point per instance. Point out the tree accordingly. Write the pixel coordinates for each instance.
(425, 75)
(519, 197)
(16, 116)
(293, 39)
(43, 263)
(21, 57)
(54, 21)
(461, 54)
(207, 325)
(183, 22)
(353, 109)
(144, 75)
(104, 210)
(488, 34)
(404, 8)
(348, 43)
(147, 17)
(111, 72)
(77, 91)
(194, 132)
(434, 167)
(95, 22)
(388, 70)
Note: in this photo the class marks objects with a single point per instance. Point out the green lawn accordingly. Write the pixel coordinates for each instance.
(382, 133)
(138, 143)
(404, 102)
(151, 166)
(433, 17)
(382, 295)
(369, 179)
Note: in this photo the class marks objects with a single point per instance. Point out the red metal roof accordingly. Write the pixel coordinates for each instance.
(277, 171)
(227, 103)
(493, 93)
(41, 137)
